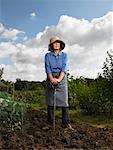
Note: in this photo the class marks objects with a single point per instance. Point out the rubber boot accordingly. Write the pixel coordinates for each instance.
(50, 115)
(65, 117)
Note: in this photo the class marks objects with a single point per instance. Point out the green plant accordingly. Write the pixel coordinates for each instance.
(11, 113)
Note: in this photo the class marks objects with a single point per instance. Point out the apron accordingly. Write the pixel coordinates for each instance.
(61, 92)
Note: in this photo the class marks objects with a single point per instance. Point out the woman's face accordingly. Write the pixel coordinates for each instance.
(56, 45)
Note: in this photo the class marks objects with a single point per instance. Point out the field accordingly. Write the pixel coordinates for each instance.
(35, 136)
(23, 116)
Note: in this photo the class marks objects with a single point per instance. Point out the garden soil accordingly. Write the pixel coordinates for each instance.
(37, 135)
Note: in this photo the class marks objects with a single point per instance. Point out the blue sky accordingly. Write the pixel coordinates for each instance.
(26, 26)
(16, 13)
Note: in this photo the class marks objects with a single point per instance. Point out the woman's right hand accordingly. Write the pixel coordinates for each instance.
(54, 81)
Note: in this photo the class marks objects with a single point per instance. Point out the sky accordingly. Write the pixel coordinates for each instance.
(86, 26)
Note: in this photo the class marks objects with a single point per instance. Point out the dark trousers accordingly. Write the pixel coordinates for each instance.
(65, 115)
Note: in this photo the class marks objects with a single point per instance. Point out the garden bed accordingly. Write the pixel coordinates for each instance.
(35, 136)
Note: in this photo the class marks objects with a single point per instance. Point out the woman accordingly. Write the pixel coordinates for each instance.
(56, 68)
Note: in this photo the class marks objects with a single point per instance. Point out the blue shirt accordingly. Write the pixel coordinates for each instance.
(56, 63)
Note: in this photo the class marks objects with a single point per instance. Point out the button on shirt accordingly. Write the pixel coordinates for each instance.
(56, 63)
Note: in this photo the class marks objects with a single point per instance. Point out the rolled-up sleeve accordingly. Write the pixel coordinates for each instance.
(65, 63)
(47, 64)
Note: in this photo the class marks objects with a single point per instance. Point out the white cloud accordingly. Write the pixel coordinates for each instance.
(33, 15)
(10, 34)
(27, 63)
(83, 32)
(86, 44)
(7, 49)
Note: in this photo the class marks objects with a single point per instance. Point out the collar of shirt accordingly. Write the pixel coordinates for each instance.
(60, 53)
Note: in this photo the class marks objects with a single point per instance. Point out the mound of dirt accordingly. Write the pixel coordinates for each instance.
(35, 136)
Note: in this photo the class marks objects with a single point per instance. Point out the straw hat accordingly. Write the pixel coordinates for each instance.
(53, 40)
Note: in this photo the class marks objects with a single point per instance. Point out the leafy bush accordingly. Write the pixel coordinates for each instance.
(11, 113)
(91, 98)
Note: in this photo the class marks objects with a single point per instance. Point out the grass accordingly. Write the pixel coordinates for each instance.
(100, 121)
(103, 120)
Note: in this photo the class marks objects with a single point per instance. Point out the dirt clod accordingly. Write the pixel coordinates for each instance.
(33, 137)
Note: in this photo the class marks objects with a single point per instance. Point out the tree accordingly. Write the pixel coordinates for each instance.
(108, 66)
(1, 73)
(108, 75)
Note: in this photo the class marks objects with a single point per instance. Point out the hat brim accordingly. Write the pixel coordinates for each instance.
(62, 45)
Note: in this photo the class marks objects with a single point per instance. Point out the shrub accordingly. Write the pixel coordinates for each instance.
(11, 113)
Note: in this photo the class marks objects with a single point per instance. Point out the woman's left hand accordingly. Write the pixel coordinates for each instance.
(58, 80)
